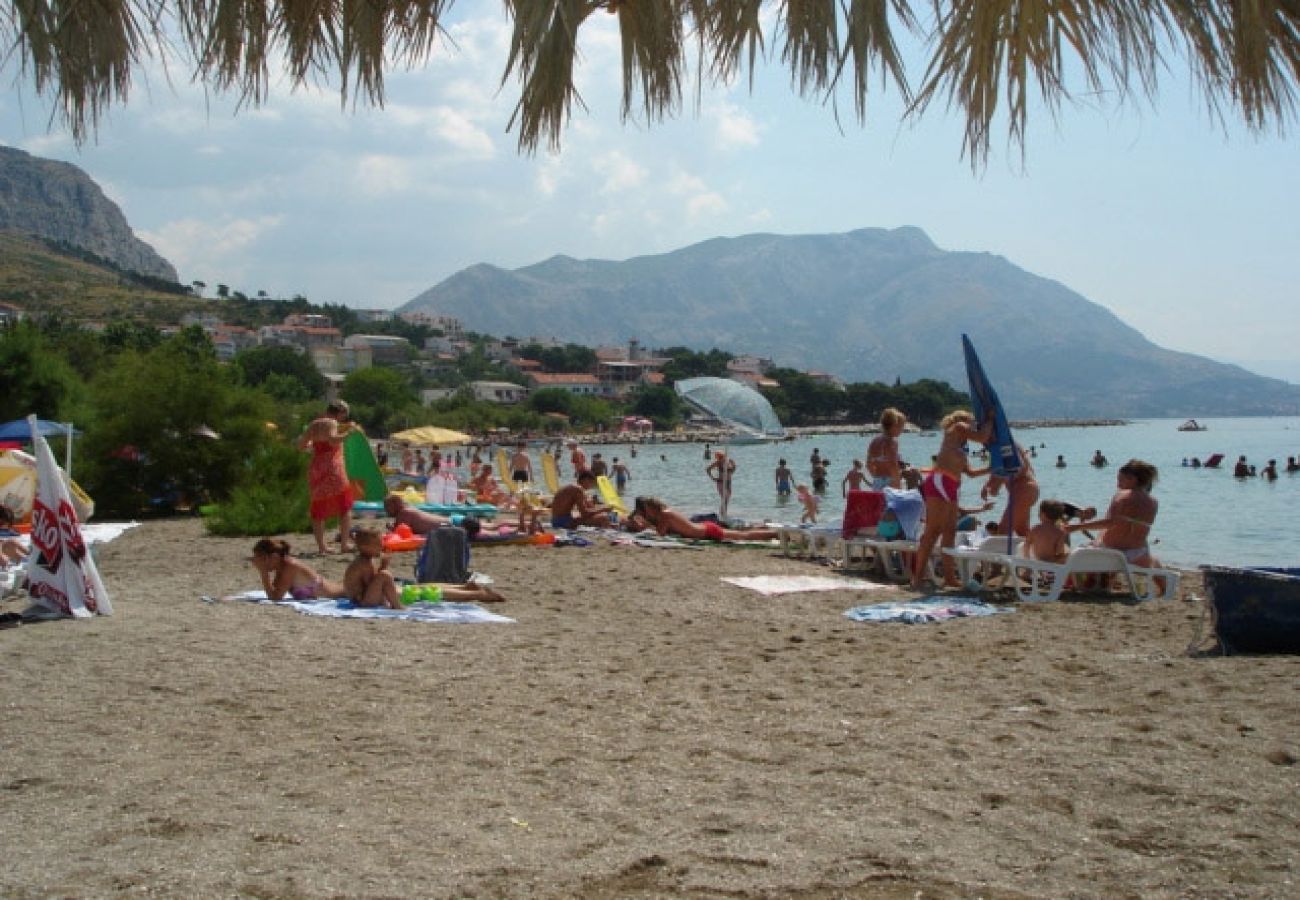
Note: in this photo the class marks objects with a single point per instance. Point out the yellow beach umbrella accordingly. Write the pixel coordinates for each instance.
(431, 434)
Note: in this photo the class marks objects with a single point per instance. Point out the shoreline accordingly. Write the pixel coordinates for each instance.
(642, 729)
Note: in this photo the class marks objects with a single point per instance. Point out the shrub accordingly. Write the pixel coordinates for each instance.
(270, 498)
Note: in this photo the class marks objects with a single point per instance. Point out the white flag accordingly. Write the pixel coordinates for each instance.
(61, 574)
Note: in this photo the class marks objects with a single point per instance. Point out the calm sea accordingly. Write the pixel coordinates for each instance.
(1206, 515)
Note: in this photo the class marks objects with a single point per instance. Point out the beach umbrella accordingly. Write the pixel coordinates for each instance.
(734, 404)
(23, 429)
(430, 434)
(1004, 459)
(61, 573)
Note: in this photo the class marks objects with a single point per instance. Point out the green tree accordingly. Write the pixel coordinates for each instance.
(292, 374)
(382, 400)
(657, 403)
(685, 363)
(145, 448)
(568, 358)
(552, 400)
(34, 379)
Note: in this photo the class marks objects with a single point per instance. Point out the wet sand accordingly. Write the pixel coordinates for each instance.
(643, 730)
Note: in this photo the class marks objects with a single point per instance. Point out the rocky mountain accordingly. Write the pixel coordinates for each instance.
(58, 201)
(868, 305)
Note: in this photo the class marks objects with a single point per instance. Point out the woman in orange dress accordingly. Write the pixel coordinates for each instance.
(327, 479)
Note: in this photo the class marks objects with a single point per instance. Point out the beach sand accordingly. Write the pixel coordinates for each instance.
(643, 730)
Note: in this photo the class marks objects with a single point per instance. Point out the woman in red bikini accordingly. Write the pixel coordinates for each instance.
(327, 480)
(666, 520)
(941, 490)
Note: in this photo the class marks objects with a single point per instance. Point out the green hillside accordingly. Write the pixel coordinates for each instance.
(43, 278)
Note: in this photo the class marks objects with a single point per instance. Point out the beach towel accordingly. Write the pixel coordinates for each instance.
(447, 613)
(908, 507)
(925, 610)
(771, 585)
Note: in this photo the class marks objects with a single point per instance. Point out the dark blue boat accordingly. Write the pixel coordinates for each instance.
(1256, 610)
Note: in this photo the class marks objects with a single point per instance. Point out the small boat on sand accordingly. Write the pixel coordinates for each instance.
(1192, 425)
(1256, 610)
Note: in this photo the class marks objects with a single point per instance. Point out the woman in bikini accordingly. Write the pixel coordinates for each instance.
(941, 490)
(665, 520)
(1132, 512)
(285, 576)
(1022, 492)
(882, 453)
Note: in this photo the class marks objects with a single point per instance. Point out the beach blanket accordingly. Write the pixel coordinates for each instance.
(91, 532)
(448, 613)
(925, 610)
(771, 585)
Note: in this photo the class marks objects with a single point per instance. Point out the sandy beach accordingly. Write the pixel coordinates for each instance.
(643, 730)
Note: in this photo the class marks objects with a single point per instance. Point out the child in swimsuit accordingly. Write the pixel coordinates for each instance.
(283, 575)
(810, 504)
(1049, 540)
(367, 581)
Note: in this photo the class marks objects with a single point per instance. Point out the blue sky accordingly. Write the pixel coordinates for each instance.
(1185, 232)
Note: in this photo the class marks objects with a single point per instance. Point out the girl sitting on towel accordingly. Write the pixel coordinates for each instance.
(283, 575)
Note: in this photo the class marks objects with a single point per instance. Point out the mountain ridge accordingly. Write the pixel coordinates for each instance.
(58, 201)
(870, 304)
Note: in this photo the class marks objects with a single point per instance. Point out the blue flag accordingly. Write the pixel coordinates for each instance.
(1003, 458)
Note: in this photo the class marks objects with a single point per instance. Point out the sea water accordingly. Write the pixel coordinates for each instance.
(1206, 515)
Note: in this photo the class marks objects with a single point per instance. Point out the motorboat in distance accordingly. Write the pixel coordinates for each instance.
(1192, 425)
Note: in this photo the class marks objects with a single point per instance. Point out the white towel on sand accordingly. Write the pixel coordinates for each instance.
(770, 585)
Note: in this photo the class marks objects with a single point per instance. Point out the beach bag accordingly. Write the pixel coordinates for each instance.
(445, 557)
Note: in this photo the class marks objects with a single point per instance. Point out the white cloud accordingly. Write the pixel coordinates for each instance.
(709, 203)
(621, 173)
(735, 128)
(382, 174)
(191, 244)
(456, 128)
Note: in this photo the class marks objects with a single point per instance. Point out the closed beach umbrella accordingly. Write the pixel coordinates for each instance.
(431, 434)
(1003, 458)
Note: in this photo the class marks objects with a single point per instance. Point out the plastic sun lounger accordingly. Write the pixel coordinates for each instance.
(985, 557)
(1045, 581)
(809, 540)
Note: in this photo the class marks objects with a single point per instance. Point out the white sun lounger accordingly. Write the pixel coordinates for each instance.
(985, 557)
(1045, 581)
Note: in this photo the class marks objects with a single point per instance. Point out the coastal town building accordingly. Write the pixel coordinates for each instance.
(580, 383)
(450, 326)
(342, 360)
(386, 349)
(498, 391)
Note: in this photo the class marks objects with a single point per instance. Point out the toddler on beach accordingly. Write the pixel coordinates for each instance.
(367, 581)
(810, 503)
(282, 575)
(1048, 540)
